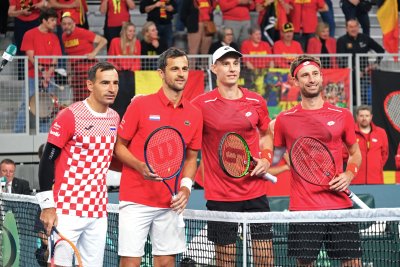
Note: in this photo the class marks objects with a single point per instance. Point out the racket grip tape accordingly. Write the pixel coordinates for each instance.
(357, 200)
(270, 177)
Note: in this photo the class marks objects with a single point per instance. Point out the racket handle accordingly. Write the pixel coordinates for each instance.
(357, 200)
(270, 177)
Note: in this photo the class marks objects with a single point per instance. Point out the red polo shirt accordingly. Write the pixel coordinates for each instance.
(144, 115)
(79, 42)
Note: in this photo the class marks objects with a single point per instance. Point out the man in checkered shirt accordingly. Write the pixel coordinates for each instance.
(73, 168)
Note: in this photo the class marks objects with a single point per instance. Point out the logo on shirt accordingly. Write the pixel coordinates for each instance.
(187, 123)
(56, 126)
(154, 117)
(374, 140)
(330, 123)
(362, 44)
(248, 114)
(57, 134)
(89, 127)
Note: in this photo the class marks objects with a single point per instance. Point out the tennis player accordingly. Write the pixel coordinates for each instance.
(73, 168)
(333, 126)
(146, 206)
(230, 108)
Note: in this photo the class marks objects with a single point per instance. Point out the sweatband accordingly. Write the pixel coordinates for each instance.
(45, 199)
(187, 182)
(267, 154)
(304, 64)
(353, 168)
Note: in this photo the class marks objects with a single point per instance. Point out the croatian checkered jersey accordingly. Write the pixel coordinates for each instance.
(86, 139)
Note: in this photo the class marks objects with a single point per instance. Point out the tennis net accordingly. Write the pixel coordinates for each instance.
(377, 229)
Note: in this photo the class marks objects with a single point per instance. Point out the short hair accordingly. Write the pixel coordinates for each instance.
(363, 107)
(320, 27)
(46, 13)
(352, 19)
(145, 30)
(7, 161)
(171, 52)
(221, 33)
(300, 59)
(102, 66)
(253, 29)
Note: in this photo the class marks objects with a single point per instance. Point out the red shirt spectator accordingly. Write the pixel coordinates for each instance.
(286, 46)
(322, 43)
(25, 10)
(254, 46)
(304, 15)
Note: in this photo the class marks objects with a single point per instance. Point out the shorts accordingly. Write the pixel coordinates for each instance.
(341, 240)
(222, 233)
(88, 235)
(137, 221)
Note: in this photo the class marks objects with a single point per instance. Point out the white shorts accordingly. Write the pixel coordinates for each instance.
(136, 221)
(88, 235)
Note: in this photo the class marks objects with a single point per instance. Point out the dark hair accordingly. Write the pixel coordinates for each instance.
(7, 161)
(300, 59)
(363, 107)
(171, 52)
(352, 19)
(46, 13)
(102, 66)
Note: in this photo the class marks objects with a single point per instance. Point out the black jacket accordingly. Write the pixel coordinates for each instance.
(189, 15)
(154, 15)
(20, 186)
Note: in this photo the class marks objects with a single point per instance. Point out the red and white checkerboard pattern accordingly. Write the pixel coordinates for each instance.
(83, 191)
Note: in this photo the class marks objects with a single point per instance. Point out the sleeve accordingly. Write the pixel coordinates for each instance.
(143, 5)
(226, 5)
(62, 128)
(196, 141)
(311, 46)
(385, 147)
(398, 158)
(279, 140)
(263, 120)
(129, 123)
(112, 50)
(349, 134)
(91, 35)
(321, 4)
(375, 46)
(56, 48)
(13, 2)
(27, 42)
(26, 188)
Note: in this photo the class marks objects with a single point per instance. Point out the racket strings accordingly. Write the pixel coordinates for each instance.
(165, 152)
(393, 109)
(312, 161)
(234, 156)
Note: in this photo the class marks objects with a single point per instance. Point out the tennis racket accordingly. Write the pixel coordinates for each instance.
(314, 163)
(392, 109)
(235, 158)
(164, 154)
(54, 243)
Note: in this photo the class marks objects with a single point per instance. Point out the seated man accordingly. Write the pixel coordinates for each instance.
(13, 184)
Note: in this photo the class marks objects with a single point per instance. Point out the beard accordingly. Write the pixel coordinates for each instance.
(307, 94)
(175, 87)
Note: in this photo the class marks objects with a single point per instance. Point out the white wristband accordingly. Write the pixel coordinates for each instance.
(46, 199)
(187, 182)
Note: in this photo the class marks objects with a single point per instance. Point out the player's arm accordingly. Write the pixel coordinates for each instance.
(128, 159)
(265, 160)
(101, 42)
(46, 180)
(385, 148)
(343, 180)
(188, 173)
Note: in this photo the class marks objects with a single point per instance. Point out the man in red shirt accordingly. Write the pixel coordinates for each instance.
(145, 203)
(74, 166)
(40, 41)
(254, 46)
(286, 46)
(230, 108)
(316, 118)
(374, 146)
(80, 42)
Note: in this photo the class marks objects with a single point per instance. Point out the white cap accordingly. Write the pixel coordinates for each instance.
(222, 51)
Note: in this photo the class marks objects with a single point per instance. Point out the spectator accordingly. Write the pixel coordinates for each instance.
(225, 38)
(329, 18)
(194, 15)
(304, 18)
(117, 12)
(322, 43)
(80, 42)
(126, 45)
(236, 14)
(354, 42)
(374, 146)
(357, 9)
(254, 46)
(161, 13)
(286, 46)
(39, 41)
(151, 45)
(13, 184)
(26, 17)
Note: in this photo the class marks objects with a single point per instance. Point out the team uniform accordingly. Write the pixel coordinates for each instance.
(374, 148)
(131, 64)
(333, 126)
(145, 205)
(117, 14)
(86, 139)
(79, 43)
(243, 116)
(263, 48)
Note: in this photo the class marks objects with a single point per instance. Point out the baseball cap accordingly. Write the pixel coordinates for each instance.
(222, 51)
(288, 27)
(66, 14)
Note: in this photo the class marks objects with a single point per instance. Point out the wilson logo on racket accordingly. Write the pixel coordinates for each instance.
(234, 155)
(164, 151)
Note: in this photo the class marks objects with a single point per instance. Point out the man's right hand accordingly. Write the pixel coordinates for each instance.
(49, 219)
